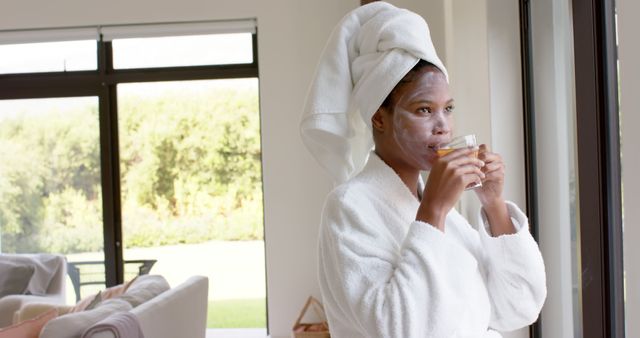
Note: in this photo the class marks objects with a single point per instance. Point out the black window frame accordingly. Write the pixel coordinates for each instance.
(529, 125)
(102, 83)
(599, 169)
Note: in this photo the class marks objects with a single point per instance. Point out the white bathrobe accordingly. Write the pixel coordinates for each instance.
(383, 274)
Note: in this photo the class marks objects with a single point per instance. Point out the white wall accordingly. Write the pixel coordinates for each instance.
(468, 65)
(507, 129)
(291, 36)
(629, 54)
(433, 12)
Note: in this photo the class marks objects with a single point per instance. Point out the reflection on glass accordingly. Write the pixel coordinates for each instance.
(50, 194)
(191, 189)
(555, 117)
(178, 51)
(63, 56)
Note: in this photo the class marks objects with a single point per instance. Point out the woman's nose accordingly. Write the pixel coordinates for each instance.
(442, 126)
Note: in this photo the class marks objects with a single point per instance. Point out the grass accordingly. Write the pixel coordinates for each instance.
(237, 313)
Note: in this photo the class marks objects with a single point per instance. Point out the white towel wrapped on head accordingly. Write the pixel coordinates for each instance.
(368, 53)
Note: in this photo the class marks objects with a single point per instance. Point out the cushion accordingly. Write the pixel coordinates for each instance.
(46, 266)
(72, 325)
(144, 288)
(116, 291)
(29, 328)
(92, 301)
(87, 303)
(14, 278)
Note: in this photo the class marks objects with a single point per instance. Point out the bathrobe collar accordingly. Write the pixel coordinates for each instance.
(390, 184)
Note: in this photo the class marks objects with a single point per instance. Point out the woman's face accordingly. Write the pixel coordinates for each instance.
(422, 117)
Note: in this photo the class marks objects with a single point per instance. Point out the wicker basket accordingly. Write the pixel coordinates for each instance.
(311, 330)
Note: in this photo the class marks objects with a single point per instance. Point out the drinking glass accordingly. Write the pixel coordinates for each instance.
(466, 141)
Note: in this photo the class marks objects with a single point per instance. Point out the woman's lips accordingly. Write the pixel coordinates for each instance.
(433, 150)
(435, 146)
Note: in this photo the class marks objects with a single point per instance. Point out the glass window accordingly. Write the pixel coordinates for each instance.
(63, 56)
(50, 192)
(192, 190)
(558, 216)
(189, 158)
(181, 51)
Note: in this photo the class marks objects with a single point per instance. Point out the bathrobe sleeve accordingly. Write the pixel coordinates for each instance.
(387, 288)
(514, 273)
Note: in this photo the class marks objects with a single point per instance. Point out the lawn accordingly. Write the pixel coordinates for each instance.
(237, 313)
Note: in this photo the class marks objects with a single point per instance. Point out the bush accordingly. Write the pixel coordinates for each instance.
(189, 164)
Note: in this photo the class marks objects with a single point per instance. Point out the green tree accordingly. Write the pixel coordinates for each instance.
(47, 159)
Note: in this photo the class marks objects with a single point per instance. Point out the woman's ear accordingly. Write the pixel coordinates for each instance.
(377, 120)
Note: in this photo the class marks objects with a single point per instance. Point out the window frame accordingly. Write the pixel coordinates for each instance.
(598, 140)
(529, 125)
(102, 83)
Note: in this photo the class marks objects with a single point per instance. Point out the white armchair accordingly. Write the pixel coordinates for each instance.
(178, 312)
(49, 275)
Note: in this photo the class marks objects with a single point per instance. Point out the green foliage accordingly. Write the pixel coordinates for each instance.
(71, 223)
(46, 164)
(189, 165)
(20, 198)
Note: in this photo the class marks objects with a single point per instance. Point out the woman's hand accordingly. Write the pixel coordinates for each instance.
(490, 194)
(492, 185)
(448, 178)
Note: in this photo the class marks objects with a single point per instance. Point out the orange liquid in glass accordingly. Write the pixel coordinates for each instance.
(445, 151)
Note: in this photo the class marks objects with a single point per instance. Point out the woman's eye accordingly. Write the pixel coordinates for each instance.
(450, 109)
(424, 110)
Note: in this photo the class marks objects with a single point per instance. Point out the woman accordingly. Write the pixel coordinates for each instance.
(396, 259)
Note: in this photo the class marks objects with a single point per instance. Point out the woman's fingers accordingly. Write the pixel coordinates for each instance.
(464, 168)
(493, 162)
(492, 166)
(487, 156)
(496, 175)
(469, 173)
(471, 169)
(470, 179)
